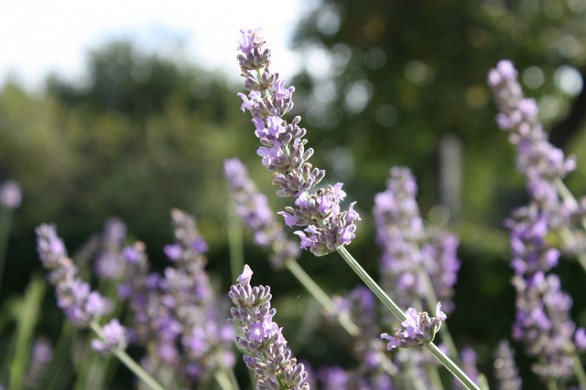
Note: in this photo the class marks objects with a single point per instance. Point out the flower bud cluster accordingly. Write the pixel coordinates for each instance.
(537, 158)
(178, 313)
(284, 153)
(261, 339)
(114, 337)
(80, 304)
(252, 206)
(417, 330)
(109, 263)
(505, 368)
(410, 250)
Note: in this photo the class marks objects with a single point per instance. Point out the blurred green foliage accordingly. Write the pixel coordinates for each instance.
(384, 83)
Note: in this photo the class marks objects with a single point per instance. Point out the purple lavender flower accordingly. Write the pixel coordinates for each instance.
(187, 294)
(114, 337)
(253, 207)
(10, 194)
(283, 152)
(109, 263)
(74, 296)
(505, 368)
(360, 306)
(542, 320)
(41, 356)
(538, 159)
(409, 249)
(418, 329)
(265, 349)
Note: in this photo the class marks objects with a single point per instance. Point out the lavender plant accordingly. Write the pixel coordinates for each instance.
(262, 341)
(355, 314)
(326, 227)
(543, 321)
(82, 306)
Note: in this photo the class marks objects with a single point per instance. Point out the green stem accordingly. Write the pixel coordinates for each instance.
(392, 306)
(224, 380)
(129, 362)
(579, 371)
(5, 222)
(234, 240)
(319, 294)
(328, 305)
(24, 331)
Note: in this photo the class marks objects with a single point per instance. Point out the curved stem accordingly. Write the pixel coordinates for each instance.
(392, 306)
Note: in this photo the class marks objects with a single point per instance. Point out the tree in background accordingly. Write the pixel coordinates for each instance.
(387, 81)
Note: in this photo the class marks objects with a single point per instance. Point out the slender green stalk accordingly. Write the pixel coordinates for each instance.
(234, 240)
(130, 363)
(5, 222)
(224, 380)
(579, 371)
(24, 331)
(61, 373)
(392, 306)
(324, 300)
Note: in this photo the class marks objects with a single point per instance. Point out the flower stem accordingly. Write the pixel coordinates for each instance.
(5, 222)
(130, 363)
(234, 240)
(323, 299)
(392, 306)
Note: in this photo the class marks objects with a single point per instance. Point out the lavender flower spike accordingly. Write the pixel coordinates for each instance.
(283, 152)
(265, 349)
(253, 207)
(418, 330)
(74, 296)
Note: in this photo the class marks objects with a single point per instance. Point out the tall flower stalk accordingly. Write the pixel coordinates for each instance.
(542, 320)
(325, 228)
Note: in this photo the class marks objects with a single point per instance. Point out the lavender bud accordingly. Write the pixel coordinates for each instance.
(114, 337)
(418, 329)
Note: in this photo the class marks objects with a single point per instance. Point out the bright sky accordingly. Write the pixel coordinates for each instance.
(38, 36)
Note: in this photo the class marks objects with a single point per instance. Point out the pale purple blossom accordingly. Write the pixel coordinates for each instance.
(114, 337)
(109, 263)
(80, 304)
(284, 153)
(505, 368)
(41, 355)
(418, 329)
(10, 194)
(415, 260)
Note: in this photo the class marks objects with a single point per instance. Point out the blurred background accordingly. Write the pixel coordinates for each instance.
(130, 109)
